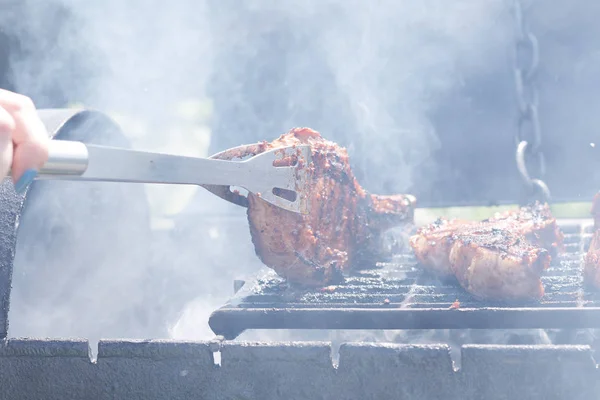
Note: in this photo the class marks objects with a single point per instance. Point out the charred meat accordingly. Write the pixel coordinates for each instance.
(501, 258)
(345, 224)
(497, 263)
(591, 270)
(536, 223)
(432, 245)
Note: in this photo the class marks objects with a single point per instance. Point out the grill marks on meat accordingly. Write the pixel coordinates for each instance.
(432, 245)
(345, 224)
(497, 263)
(501, 258)
(591, 269)
(536, 223)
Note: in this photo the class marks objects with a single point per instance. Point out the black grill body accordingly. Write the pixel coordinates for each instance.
(34, 369)
(11, 205)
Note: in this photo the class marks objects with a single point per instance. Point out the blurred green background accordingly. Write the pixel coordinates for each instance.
(563, 211)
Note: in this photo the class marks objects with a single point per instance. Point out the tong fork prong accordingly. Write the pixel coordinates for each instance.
(296, 201)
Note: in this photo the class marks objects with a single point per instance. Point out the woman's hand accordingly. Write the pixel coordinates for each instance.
(23, 139)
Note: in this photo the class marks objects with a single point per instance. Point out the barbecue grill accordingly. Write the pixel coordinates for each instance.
(394, 296)
(398, 295)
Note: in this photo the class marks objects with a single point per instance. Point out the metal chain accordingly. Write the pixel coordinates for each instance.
(529, 133)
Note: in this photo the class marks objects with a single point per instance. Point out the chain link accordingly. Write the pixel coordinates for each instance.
(528, 137)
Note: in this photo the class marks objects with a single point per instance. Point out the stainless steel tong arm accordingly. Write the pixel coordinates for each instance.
(71, 160)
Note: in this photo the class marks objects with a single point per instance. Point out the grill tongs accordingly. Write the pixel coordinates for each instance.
(282, 186)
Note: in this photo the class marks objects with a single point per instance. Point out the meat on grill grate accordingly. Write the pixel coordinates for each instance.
(501, 258)
(591, 271)
(536, 223)
(343, 228)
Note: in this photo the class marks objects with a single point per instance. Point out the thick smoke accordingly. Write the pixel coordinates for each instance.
(357, 71)
(196, 76)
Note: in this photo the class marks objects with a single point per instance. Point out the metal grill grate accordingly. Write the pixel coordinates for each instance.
(398, 295)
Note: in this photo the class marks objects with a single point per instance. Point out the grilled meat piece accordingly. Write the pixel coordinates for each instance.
(536, 222)
(345, 224)
(432, 245)
(591, 269)
(500, 258)
(497, 263)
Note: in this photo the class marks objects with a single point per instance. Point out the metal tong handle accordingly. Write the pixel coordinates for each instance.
(70, 160)
(65, 158)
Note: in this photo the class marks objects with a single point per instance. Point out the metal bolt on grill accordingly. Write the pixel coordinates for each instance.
(397, 295)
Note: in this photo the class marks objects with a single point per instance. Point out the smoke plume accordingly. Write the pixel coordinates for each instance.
(197, 76)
